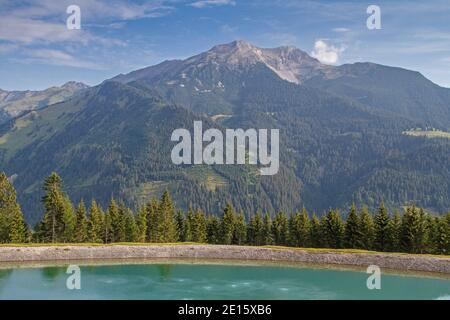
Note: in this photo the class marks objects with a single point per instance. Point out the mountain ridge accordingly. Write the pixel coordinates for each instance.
(335, 148)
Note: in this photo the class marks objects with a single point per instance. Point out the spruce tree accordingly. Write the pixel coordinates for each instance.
(334, 229)
(240, 230)
(189, 226)
(316, 237)
(12, 223)
(167, 229)
(267, 236)
(323, 232)
(414, 229)
(367, 229)
(81, 223)
(227, 224)
(142, 225)
(441, 237)
(95, 224)
(107, 228)
(181, 225)
(255, 234)
(131, 228)
(353, 236)
(395, 229)
(58, 215)
(69, 221)
(447, 219)
(299, 229)
(213, 230)
(121, 223)
(280, 229)
(114, 220)
(152, 220)
(199, 227)
(382, 230)
(18, 230)
(293, 225)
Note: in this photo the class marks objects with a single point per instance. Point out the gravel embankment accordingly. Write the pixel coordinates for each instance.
(420, 263)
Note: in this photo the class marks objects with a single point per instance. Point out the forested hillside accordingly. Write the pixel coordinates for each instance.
(413, 231)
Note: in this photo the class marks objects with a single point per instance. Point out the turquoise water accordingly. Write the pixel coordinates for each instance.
(202, 281)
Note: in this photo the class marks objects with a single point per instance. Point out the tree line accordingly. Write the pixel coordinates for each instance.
(413, 231)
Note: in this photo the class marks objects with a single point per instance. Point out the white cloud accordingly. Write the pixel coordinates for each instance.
(228, 29)
(210, 3)
(44, 20)
(93, 10)
(18, 29)
(341, 29)
(326, 53)
(58, 58)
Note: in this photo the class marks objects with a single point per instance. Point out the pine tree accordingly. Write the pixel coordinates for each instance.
(114, 220)
(213, 230)
(189, 226)
(382, 230)
(240, 230)
(58, 215)
(18, 228)
(12, 223)
(255, 234)
(69, 221)
(167, 229)
(95, 223)
(323, 232)
(414, 228)
(367, 229)
(181, 225)
(199, 227)
(441, 237)
(447, 219)
(395, 229)
(142, 225)
(352, 236)
(121, 223)
(227, 224)
(299, 229)
(152, 220)
(267, 237)
(107, 228)
(280, 229)
(131, 228)
(316, 237)
(81, 223)
(334, 229)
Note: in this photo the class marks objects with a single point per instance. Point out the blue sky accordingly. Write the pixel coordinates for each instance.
(37, 51)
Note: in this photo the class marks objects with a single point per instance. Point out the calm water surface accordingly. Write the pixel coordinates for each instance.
(203, 281)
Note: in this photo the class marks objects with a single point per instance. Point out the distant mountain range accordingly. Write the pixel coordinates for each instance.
(341, 134)
(15, 103)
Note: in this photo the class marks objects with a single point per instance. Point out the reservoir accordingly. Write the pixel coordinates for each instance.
(185, 280)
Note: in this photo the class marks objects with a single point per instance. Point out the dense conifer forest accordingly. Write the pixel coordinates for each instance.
(159, 221)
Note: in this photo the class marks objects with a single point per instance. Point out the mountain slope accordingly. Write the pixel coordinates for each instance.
(335, 148)
(393, 90)
(15, 103)
(114, 141)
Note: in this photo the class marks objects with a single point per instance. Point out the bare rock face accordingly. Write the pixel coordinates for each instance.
(288, 62)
